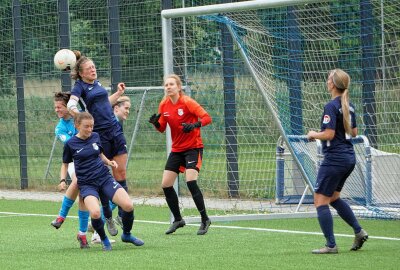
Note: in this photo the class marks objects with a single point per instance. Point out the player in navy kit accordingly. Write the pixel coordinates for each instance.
(64, 130)
(96, 101)
(338, 125)
(94, 179)
(185, 117)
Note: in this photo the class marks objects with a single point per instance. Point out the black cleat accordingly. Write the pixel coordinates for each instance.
(175, 225)
(204, 227)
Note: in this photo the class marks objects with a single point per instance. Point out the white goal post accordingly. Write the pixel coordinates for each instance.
(286, 49)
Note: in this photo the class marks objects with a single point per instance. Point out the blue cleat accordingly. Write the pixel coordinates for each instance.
(106, 245)
(128, 238)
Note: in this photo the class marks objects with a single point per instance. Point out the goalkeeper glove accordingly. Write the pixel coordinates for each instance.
(154, 120)
(188, 127)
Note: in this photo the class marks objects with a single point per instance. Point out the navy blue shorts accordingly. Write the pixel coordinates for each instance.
(331, 178)
(113, 142)
(180, 161)
(103, 189)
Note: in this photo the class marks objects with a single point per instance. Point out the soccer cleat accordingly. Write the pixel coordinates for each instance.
(359, 239)
(326, 250)
(106, 245)
(57, 222)
(82, 240)
(175, 225)
(118, 221)
(97, 240)
(111, 227)
(129, 238)
(204, 227)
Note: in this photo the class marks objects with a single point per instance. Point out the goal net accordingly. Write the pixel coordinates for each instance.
(260, 69)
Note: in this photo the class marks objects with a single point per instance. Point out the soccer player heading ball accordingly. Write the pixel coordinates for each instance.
(185, 117)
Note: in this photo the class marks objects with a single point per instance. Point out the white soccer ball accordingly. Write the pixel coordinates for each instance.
(65, 59)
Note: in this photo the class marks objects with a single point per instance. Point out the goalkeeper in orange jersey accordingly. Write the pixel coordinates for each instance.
(184, 117)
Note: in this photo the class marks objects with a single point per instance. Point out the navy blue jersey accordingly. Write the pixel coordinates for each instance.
(340, 147)
(86, 156)
(119, 122)
(95, 100)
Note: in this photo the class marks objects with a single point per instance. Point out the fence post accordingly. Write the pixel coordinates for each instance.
(19, 74)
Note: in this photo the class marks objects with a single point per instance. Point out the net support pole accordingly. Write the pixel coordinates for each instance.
(115, 44)
(231, 148)
(368, 71)
(50, 159)
(136, 128)
(295, 73)
(63, 25)
(19, 75)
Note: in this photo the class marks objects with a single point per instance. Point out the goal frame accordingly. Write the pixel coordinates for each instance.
(167, 46)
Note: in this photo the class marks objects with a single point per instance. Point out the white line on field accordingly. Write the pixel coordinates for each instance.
(13, 214)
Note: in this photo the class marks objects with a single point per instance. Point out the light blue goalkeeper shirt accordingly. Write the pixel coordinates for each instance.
(65, 129)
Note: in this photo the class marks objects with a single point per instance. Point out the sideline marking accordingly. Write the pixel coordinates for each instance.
(13, 214)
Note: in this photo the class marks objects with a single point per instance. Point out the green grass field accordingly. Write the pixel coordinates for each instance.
(27, 241)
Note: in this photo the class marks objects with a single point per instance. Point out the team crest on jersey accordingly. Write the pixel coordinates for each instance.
(95, 146)
(63, 137)
(327, 119)
(180, 112)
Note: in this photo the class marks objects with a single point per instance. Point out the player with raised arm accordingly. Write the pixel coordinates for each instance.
(95, 180)
(185, 117)
(338, 125)
(96, 101)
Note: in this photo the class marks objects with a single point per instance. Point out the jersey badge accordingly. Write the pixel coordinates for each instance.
(62, 137)
(327, 119)
(180, 112)
(95, 146)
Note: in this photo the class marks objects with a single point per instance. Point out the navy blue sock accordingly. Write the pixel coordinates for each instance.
(107, 213)
(173, 203)
(125, 186)
(326, 223)
(98, 226)
(345, 212)
(127, 221)
(198, 199)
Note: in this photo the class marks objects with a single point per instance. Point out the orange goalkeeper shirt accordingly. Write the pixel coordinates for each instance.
(186, 110)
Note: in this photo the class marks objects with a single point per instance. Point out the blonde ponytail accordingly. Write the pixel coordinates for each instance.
(346, 112)
(341, 80)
